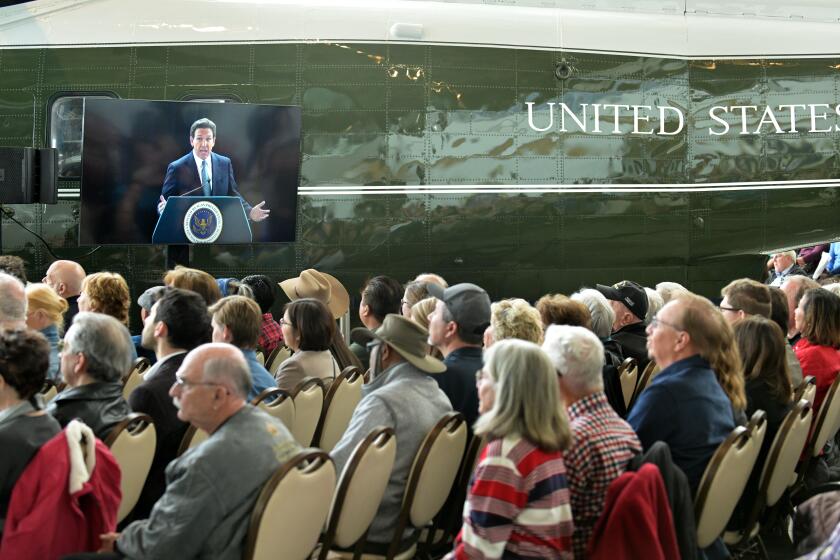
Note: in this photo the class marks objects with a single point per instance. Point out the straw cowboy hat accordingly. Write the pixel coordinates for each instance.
(406, 337)
(321, 286)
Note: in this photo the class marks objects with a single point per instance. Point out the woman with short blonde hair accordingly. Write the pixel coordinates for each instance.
(196, 281)
(515, 318)
(106, 293)
(519, 501)
(45, 314)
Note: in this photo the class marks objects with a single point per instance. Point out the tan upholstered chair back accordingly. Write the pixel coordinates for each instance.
(291, 509)
(309, 400)
(277, 357)
(827, 420)
(341, 400)
(282, 407)
(779, 470)
(725, 477)
(132, 443)
(360, 489)
(192, 438)
(806, 390)
(261, 357)
(135, 376)
(628, 373)
(49, 391)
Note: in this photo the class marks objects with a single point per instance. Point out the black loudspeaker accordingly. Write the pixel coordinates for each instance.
(17, 173)
(28, 175)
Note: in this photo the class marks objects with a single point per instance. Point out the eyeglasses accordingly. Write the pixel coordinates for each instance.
(656, 321)
(733, 309)
(283, 321)
(186, 384)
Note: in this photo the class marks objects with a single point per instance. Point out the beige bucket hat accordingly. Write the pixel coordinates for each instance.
(321, 286)
(406, 337)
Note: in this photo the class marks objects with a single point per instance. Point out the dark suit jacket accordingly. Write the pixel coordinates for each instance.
(182, 177)
(152, 397)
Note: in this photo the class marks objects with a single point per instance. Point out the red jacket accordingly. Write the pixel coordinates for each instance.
(45, 521)
(636, 522)
(823, 362)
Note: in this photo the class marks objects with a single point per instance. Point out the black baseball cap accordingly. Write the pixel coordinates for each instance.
(629, 293)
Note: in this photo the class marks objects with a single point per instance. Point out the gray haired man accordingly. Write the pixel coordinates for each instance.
(12, 302)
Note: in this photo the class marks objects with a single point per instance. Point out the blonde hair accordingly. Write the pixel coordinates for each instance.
(107, 293)
(515, 318)
(421, 310)
(194, 280)
(712, 336)
(527, 402)
(242, 316)
(42, 297)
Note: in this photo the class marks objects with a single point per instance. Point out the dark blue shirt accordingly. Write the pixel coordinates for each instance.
(686, 408)
(458, 381)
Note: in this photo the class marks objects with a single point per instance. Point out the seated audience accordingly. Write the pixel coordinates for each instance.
(655, 303)
(629, 303)
(24, 426)
(518, 502)
(211, 491)
(146, 300)
(380, 296)
(602, 318)
(809, 257)
(762, 345)
(329, 291)
(818, 320)
(685, 406)
(13, 265)
(557, 309)
(177, 322)
(401, 395)
(602, 443)
(65, 277)
(456, 328)
(833, 266)
(669, 290)
(784, 265)
(12, 302)
(271, 335)
(194, 280)
(96, 355)
(513, 318)
(414, 293)
(308, 328)
(794, 288)
(107, 293)
(45, 314)
(236, 320)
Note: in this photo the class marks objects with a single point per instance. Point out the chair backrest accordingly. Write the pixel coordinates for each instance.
(644, 380)
(779, 470)
(291, 508)
(432, 474)
(806, 390)
(281, 407)
(725, 477)
(628, 373)
(135, 376)
(261, 357)
(192, 437)
(309, 400)
(132, 443)
(48, 391)
(827, 420)
(344, 394)
(278, 356)
(360, 489)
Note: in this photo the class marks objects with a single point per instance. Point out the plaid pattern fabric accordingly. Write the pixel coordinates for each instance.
(518, 505)
(270, 333)
(602, 445)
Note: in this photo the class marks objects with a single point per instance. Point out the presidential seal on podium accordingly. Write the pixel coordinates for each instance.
(203, 222)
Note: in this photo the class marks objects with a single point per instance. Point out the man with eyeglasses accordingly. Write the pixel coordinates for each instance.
(685, 406)
(212, 489)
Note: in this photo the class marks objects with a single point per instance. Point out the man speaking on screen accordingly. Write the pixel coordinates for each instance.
(201, 172)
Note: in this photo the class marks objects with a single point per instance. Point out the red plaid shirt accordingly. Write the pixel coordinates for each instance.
(270, 333)
(602, 445)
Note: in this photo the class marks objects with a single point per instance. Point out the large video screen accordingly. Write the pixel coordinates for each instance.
(172, 172)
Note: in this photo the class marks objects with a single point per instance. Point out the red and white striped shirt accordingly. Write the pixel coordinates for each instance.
(518, 505)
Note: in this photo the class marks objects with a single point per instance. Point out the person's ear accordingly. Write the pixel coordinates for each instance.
(451, 329)
(161, 330)
(226, 334)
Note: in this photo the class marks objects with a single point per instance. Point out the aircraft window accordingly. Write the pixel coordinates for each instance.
(66, 119)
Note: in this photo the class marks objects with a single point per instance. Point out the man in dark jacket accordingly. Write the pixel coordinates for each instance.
(177, 323)
(96, 354)
(630, 304)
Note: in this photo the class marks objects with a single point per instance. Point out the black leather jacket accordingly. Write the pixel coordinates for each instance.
(99, 405)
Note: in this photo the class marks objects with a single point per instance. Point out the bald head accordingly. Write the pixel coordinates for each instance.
(65, 277)
(428, 277)
(224, 364)
(12, 302)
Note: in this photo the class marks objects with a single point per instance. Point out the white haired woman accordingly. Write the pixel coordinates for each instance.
(518, 504)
